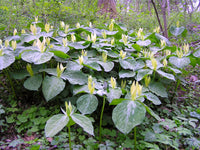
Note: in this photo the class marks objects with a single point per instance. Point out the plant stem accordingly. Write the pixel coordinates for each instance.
(70, 144)
(154, 74)
(135, 138)
(11, 83)
(101, 117)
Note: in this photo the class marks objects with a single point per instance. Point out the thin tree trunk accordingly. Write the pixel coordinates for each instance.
(149, 6)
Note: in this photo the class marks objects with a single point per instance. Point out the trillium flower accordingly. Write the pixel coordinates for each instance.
(36, 19)
(47, 27)
(41, 45)
(136, 89)
(162, 43)
(147, 80)
(165, 62)
(167, 52)
(29, 69)
(1, 52)
(23, 31)
(122, 54)
(64, 41)
(113, 82)
(62, 24)
(14, 32)
(104, 34)
(91, 85)
(68, 108)
(93, 37)
(33, 29)
(14, 45)
(84, 53)
(80, 59)
(104, 56)
(78, 25)
(154, 63)
(60, 70)
(73, 38)
(66, 28)
(6, 44)
(179, 53)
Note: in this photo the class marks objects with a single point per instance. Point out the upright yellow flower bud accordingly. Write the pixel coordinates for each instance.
(6, 44)
(111, 26)
(48, 41)
(23, 31)
(139, 90)
(154, 63)
(62, 24)
(29, 69)
(179, 53)
(73, 38)
(66, 28)
(147, 80)
(133, 91)
(88, 37)
(84, 53)
(14, 32)
(157, 29)
(36, 19)
(91, 85)
(80, 60)
(68, 108)
(60, 70)
(177, 24)
(33, 29)
(186, 48)
(113, 82)
(139, 34)
(167, 52)
(93, 37)
(47, 27)
(78, 25)
(125, 38)
(104, 56)
(162, 43)
(14, 44)
(104, 34)
(165, 62)
(113, 41)
(41, 45)
(1, 52)
(90, 24)
(123, 84)
(64, 41)
(122, 54)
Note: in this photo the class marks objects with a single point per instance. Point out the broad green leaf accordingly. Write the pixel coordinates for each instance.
(107, 66)
(28, 37)
(176, 31)
(36, 57)
(55, 124)
(150, 111)
(175, 70)
(136, 47)
(197, 53)
(93, 65)
(77, 45)
(153, 98)
(143, 43)
(33, 83)
(126, 74)
(6, 60)
(114, 94)
(179, 62)
(75, 77)
(117, 101)
(60, 54)
(84, 122)
(73, 66)
(142, 73)
(52, 86)
(87, 103)
(160, 37)
(112, 54)
(60, 48)
(131, 64)
(158, 89)
(127, 115)
(166, 75)
(77, 89)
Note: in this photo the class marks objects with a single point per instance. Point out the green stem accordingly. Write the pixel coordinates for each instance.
(135, 138)
(154, 74)
(101, 117)
(70, 144)
(11, 83)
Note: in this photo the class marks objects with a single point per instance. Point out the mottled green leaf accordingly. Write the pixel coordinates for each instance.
(52, 86)
(126, 74)
(6, 60)
(114, 94)
(55, 124)
(153, 98)
(158, 88)
(127, 115)
(33, 83)
(87, 103)
(166, 75)
(84, 122)
(179, 62)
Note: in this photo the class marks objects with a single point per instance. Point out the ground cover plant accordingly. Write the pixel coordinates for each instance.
(125, 74)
